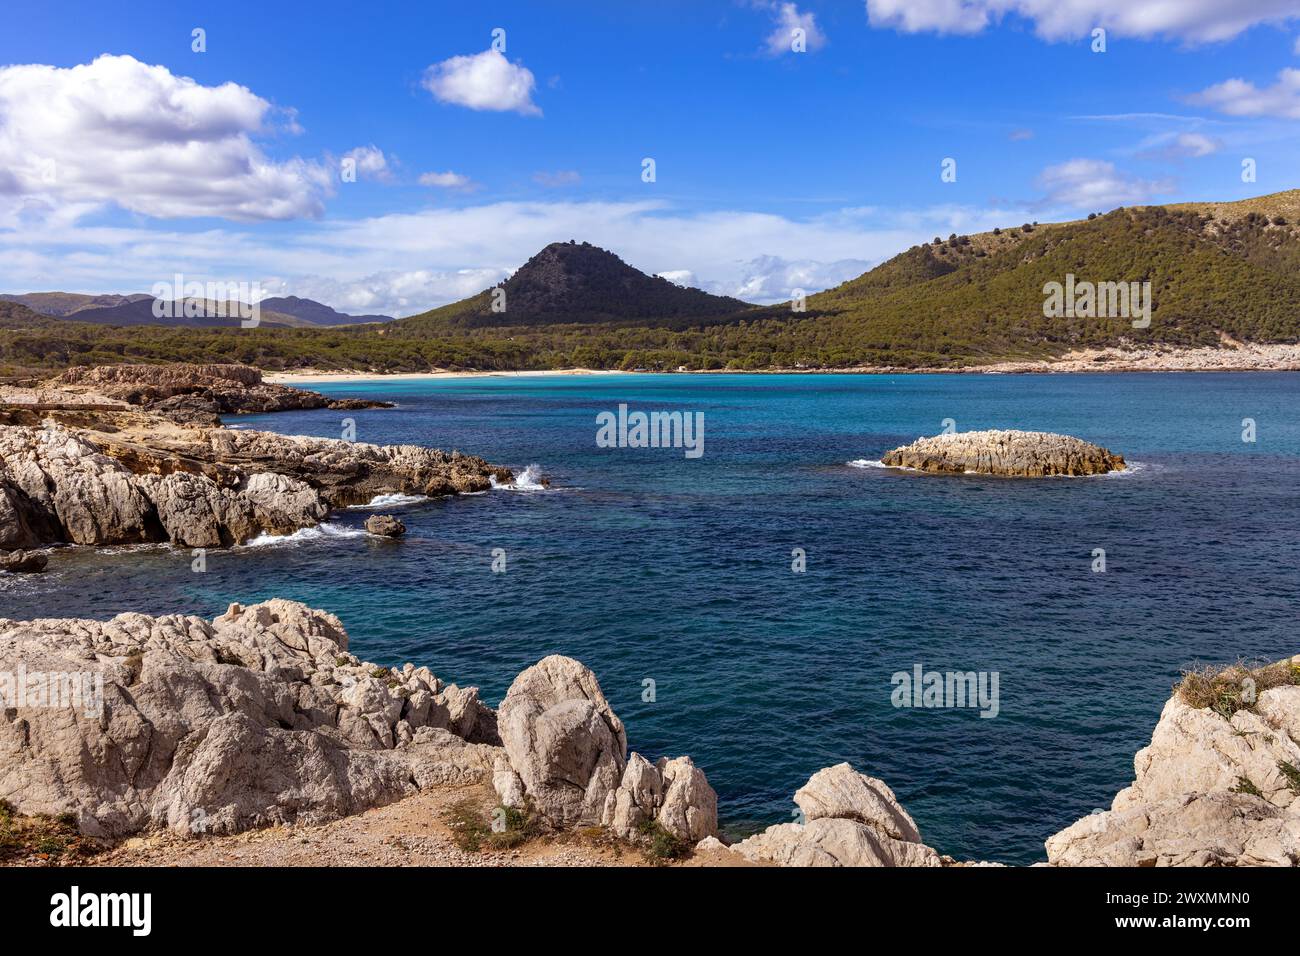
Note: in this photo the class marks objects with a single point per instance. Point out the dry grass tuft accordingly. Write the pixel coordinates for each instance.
(1226, 690)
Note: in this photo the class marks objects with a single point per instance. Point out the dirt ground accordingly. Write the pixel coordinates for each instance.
(411, 832)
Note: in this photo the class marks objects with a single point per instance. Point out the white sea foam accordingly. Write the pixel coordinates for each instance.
(530, 479)
(1133, 467)
(319, 532)
(394, 500)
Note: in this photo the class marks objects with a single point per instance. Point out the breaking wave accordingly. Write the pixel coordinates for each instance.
(319, 532)
(394, 500)
(530, 479)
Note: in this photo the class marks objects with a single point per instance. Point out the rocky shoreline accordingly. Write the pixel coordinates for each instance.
(136, 454)
(262, 718)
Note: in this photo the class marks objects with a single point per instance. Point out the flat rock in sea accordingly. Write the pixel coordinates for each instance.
(1013, 453)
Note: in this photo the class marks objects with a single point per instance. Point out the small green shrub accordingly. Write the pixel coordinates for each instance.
(659, 845)
(1245, 786)
(473, 832)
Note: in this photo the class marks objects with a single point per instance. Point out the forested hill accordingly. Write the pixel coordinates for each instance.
(973, 297)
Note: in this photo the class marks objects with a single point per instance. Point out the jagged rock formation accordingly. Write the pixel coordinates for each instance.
(997, 452)
(125, 477)
(257, 717)
(568, 755)
(262, 717)
(193, 393)
(1209, 790)
(850, 819)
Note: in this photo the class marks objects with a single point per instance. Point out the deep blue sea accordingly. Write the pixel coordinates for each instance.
(646, 564)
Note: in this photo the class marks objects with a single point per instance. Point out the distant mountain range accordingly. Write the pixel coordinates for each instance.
(1213, 273)
(316, 313)
(138, 309)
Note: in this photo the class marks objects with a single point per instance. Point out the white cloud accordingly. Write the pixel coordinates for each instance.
(390, 292)
(767, 279)
(120, 131)
(403, 263)
(484, 81)
(1179, 146)
(941, 16)
(788, 19)
(1193, 21)
(560, 177)
(682, 277)
(447, 180)
(1097, 185)
(1237, 97)
(370, 163)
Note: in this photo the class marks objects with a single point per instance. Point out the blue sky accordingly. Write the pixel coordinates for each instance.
(775, 169)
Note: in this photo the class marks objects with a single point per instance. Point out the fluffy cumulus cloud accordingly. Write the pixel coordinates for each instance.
(788, 20)
(1238, 97)
(1096, 185)
(484, 81)
(367, 162)
(118, 131)
(1192, 21)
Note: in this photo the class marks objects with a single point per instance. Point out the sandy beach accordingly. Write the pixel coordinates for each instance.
(321, 377)
(1231, 356)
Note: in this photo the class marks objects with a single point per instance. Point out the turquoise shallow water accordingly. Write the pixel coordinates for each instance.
(645, 564)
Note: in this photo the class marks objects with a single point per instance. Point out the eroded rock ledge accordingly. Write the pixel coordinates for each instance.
(1013, 453)
(89, 469)
(190, 393)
